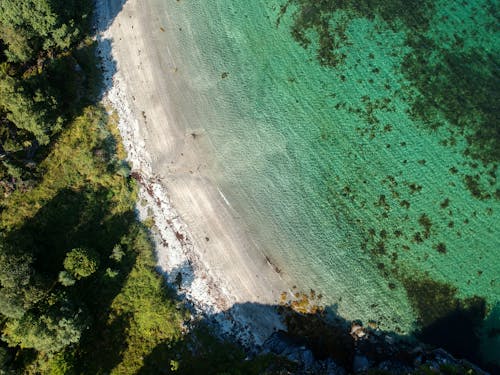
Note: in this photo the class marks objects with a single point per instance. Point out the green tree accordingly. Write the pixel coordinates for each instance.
(81, 262)
(19, 288)
(15, 276)
(66, 279)
(30, 26)
(25, 110)
(44, 333)
(15, 270)
(11, 303)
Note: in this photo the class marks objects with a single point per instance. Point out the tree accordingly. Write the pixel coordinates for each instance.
(30, 26)
(15, 270)
(21, 287)
(45, 333)
(81, 262)
(11, 304)
(26, 111)
(15, 277)
(66, 279)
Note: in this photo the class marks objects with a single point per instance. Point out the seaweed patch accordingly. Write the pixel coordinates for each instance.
(451, 84)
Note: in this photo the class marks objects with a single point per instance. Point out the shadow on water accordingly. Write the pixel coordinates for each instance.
(321, 344)
(445, 320)
(323, 341)
(457, 332)
(491, 342)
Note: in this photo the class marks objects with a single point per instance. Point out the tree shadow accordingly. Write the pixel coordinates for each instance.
(81, 218)
(159, 360)
(320, 343)
(68, 221)
(323, 342)
(182, 277)
(320, 340)
(107, 65)
(108, 10)
(491, 341)
(99, 355)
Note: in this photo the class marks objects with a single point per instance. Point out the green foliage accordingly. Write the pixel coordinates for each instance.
(30, 26)
(66, 279)
(22, 109)
(71, 164)
(82, 201)
(19, 288)
(146, 307)
(81, 262)
(49, 75)
(45, 333)
(117, 253)
(76, 201)
(4, 356)
(12, 170)
(83, 197)
(15, 270)
(59, 364)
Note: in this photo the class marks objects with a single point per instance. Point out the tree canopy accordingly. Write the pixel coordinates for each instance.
(81, 262)
(33, 26)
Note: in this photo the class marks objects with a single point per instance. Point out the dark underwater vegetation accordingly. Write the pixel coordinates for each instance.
(450, 79)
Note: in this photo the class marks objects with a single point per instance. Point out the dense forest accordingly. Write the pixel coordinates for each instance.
(79, 293)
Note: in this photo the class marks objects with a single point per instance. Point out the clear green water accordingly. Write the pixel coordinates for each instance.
(341, 182)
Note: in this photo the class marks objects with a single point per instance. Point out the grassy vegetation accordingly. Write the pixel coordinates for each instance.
(154, 318)
(83, 200)
(77, 160)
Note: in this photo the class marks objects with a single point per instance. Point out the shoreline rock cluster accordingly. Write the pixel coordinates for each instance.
(363, 350)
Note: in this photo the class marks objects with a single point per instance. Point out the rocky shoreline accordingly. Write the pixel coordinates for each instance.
(318, 347)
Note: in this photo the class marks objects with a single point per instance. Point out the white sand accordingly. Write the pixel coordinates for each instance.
(198, 233)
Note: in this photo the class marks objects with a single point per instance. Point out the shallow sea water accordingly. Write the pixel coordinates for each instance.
(347, 190)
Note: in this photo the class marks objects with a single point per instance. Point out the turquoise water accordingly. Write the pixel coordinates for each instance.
(360, 144)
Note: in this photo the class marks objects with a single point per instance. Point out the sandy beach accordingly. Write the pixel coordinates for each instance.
(197, 232)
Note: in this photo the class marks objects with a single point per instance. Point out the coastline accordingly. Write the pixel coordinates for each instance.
(196, 232)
